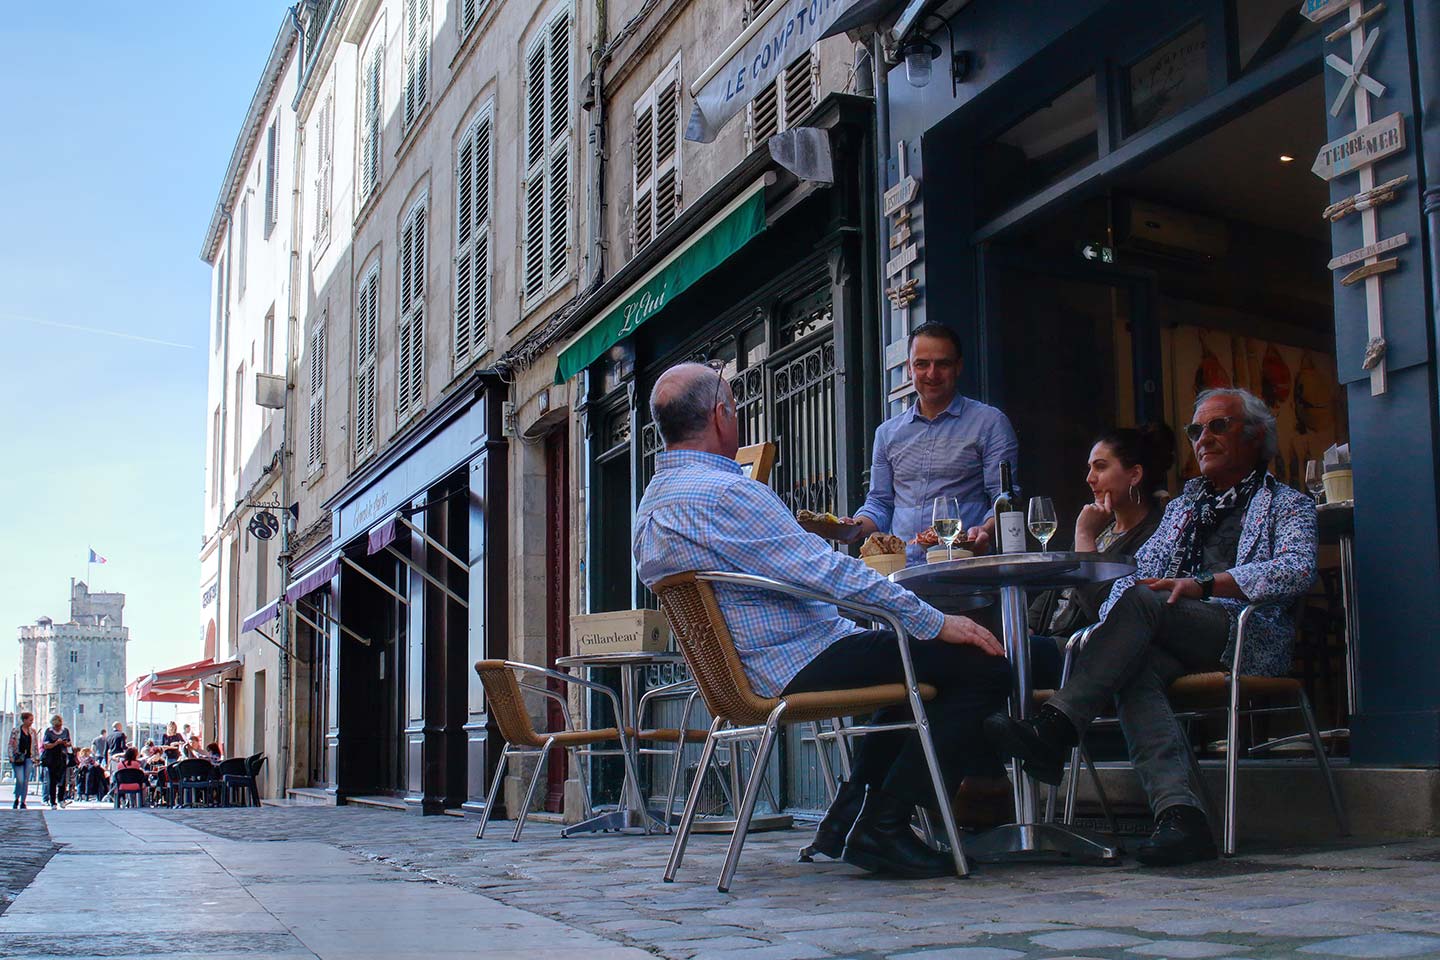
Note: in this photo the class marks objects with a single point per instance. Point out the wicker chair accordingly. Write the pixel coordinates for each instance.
(506, 695)
(1231, 695)
(689, 602)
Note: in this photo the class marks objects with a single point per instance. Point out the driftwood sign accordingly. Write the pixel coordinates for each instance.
(1317, 10)
(1370, 143)
(1369, 250)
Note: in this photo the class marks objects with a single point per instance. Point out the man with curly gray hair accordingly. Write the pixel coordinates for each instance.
(1234, 536)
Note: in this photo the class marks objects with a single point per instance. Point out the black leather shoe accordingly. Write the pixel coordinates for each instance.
(1040, 744)
(1182, 835)
(882, 841)
(830, 834)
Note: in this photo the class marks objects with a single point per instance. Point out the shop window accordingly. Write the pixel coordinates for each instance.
(1264, 28)
(1054, 141)
(1166, 80)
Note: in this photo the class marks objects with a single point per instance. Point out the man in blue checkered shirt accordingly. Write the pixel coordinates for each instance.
(701, 513)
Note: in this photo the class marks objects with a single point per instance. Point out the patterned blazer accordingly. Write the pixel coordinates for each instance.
(1275, 563)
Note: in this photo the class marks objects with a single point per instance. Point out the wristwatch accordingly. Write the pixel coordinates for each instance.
(1207, 584)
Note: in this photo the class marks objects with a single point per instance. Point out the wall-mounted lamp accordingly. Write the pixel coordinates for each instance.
(920, 52)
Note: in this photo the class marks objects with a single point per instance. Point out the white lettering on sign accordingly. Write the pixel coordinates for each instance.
(901, 195)
(1317, 10)
(1372, 250)
(642, 308)
(1372, 142)
(902, 260)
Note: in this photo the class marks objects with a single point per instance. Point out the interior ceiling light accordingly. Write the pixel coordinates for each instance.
(1286, 158)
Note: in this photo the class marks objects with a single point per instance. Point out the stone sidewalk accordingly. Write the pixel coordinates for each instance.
(1358, 899)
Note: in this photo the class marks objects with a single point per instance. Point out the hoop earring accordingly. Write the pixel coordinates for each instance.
(1135, 494)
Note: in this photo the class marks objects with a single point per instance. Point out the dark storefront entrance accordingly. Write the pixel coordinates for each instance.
(1119, 210)
(414, 595)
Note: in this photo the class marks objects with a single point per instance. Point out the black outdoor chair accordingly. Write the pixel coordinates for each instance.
(237, 779)
(128, 785)
(194, 778)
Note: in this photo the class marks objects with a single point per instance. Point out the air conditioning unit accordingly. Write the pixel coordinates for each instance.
(1165, 232)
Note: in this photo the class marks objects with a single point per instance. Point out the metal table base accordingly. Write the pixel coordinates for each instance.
(1040, 841)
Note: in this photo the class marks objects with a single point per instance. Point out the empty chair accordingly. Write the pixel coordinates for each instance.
(237, 782)
(194, 778)
(505, 693)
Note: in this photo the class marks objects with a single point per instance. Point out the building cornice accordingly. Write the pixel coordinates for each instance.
(249, 134)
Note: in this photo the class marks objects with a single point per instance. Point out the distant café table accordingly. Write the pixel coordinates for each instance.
(1009, 575)
(632, 811)
(1337, 526)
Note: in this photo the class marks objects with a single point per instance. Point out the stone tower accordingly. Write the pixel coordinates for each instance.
(77, 669)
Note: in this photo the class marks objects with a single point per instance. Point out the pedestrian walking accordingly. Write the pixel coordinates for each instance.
(56, 755)
(24, 753)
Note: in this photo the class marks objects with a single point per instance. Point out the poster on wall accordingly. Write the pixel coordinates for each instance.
(1299, 385)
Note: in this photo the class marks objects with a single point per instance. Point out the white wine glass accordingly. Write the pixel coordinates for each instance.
(1314, 482)
(1042, 520)
(945, 518)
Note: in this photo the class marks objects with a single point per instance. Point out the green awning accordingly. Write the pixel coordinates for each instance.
(650, 295)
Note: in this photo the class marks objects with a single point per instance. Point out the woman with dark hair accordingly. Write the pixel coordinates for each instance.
(55, 749)
(24, 753)
(1128, 471)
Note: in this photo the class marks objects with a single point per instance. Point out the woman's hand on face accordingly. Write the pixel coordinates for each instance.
(1094, 517)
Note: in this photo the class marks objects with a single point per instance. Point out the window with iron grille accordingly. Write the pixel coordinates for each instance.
(324, 172)
(371, 121)
(315, 441)
(546, 240)
(410, 334)
(474, 163)
(272, 176)
(787, 98)
(417, 58)
(367, 327)
(657, 173)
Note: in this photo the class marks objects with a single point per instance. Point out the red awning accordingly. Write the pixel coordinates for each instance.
(185, 692)
(181, 675)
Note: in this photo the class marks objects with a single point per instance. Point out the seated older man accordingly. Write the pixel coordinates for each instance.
(1236, 535)
(701, 513)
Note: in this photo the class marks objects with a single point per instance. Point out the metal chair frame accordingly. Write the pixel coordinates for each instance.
(722, 732)
(1232, 712)
(632, 782)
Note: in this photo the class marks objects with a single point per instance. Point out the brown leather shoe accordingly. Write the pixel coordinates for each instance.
(983, 802)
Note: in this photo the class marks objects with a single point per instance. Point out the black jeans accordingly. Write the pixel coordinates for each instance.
(971, 685)
(55, 784)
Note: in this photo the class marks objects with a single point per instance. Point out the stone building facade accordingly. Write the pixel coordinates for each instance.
(77, 668)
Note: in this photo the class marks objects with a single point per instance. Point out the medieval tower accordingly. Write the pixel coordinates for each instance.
(77, 669)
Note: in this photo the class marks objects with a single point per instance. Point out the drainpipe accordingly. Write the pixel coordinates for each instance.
(1426, 54)
(222, 600)
(596, 206)
(882, 183)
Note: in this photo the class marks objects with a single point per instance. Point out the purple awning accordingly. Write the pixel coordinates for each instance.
(384, 534)
(260, 617)
(316, 578)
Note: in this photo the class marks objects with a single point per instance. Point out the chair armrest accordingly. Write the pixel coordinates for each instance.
(551, 695)
(1240, 624)
(803, 593)
(530, 668)
(670, 691)
(1074, 645)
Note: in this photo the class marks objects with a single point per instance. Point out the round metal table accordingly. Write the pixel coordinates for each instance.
(1009, 575)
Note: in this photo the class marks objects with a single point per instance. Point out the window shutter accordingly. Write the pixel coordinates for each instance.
(534, 237)
(417, 57)
(410, 385)
(367, 325)
(801, 87)
(469, 13)
(272, 176)
(315, 450)
(657, 156)
(784, 100)
(323, 175)
(472, 240)
(558, 193)
(371, 126)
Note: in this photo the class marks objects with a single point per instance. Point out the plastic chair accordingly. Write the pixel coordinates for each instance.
(236, 778)
(689, 602)
(1220, 693)
(506, 695)
(129, 785)
(193, 777)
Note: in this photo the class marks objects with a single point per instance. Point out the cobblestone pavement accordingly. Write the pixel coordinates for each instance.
(1333, 900)
(25, 848)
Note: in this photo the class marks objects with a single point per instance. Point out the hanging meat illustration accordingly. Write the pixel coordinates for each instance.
(1274, 378)
(1210, 375)
(1313, 397)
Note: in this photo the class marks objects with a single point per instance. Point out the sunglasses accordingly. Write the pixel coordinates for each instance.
(1218, 426)
(719, 367)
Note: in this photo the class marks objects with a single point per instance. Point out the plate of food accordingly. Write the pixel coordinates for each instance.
(884, 553)
(828, 525)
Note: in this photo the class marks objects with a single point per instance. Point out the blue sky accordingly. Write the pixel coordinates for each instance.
(111, 154)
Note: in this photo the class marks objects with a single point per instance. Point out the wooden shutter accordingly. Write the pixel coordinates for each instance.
(367, 316)
(557, 199)
(546, 239)
(370, 125)
(324, 180)
(272, 176)
(657, 157)
(473, 163)
(315, 445)
(534, 236)
(784, 100)
(469, 13)
(410, 384)
(417, 57)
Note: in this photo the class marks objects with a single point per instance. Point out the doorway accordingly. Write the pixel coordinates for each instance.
(557, 591)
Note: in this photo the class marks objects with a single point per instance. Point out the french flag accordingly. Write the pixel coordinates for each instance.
(96, 558)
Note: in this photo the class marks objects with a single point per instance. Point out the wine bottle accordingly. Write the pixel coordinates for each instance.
(1009, 520)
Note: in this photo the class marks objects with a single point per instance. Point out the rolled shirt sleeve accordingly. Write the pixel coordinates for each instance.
(880, 502)
(756, 533)
(1000, 444)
